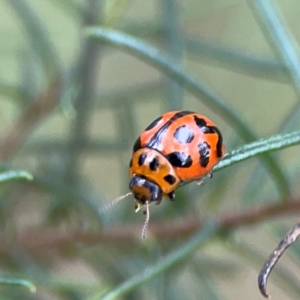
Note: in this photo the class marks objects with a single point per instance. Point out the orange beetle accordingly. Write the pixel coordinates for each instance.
(176, 147)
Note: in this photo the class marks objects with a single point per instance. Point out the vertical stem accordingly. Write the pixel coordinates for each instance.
(86, 78)
(126, 131)
(280, 37)
(174, 45)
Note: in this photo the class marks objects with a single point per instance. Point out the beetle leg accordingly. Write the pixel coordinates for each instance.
(274, 257)
(171, 195)
(158, 200)
(199, 181)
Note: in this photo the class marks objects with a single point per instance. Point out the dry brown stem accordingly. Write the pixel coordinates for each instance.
(40, 108)
(31, 240)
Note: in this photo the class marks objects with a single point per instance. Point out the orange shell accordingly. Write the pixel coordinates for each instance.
(197, 137)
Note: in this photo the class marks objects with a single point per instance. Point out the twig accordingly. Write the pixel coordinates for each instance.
(41, 107)
(127, 234)
(289, 239)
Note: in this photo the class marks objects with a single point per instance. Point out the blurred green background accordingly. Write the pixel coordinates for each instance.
(72, 107)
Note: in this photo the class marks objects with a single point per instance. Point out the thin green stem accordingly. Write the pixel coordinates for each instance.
(16, 281)
(207, 232)
(210, 52)
(276, 142)
(76, 195)
(87, 79)
(236, 60)
(174, 45)
(280, 37)
(15, 175)
(37, 33)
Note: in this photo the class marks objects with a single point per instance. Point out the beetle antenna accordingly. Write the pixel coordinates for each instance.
(113, 202)
(274, 257)
(147, 213)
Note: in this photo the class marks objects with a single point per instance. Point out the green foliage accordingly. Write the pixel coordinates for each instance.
(15, 281)
(79, 80)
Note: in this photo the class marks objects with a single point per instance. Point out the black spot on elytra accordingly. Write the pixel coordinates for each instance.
(142, 159)
(210, 129)
(179, 159)
(137, 145)
(153, 124)
(156, 139)
(170, 179)
(154, 164)
(204, 151)
(201, 123)
(219, 143)
(130, 163)
(184, 134)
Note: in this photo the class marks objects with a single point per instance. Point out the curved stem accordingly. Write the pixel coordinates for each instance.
(289, 239)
